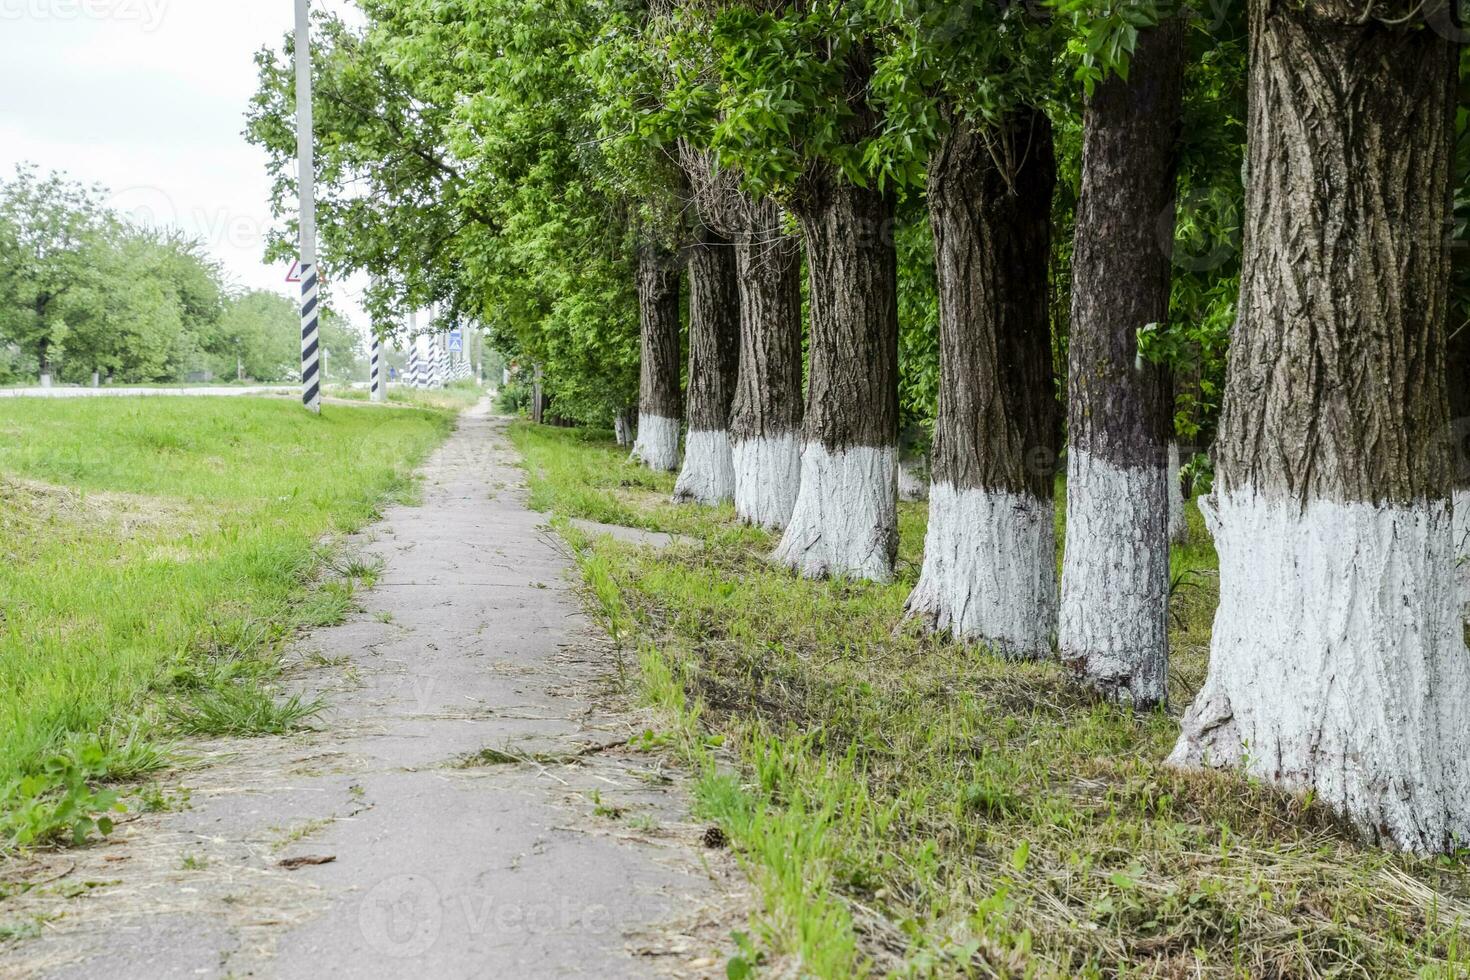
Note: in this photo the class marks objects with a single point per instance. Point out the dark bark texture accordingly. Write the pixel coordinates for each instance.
(714, 331)
(1458, 382)
(852, 395)
(658, 305)
(1336, 375)
(768, 396)
(768, 393)
(990, 207)
(1118, 410)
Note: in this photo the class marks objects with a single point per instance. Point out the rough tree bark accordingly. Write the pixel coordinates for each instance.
(990, 555)
(768, 412)
(765, 419)
(1337, 662)
(1115, 575)
(1459, 388)
(660, 403)
(845, 521)
(1178, 520)
(708, 476)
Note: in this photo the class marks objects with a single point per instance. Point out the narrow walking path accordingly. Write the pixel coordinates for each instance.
(469, 784)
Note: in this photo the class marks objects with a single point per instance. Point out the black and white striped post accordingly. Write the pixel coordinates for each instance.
(311, 387)
(379, 392)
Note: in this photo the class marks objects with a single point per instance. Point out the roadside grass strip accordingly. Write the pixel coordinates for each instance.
(912, 807)
(154, 557)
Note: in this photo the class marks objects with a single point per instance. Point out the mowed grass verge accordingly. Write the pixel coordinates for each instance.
(911, 807)
(154, 555)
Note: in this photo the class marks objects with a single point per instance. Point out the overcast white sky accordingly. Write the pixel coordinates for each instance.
(148, 98)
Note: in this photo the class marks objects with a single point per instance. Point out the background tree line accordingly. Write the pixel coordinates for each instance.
(84, 290)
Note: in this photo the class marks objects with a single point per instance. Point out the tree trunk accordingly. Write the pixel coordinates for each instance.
(1178, 521)
(1459, 387)
(538, 398)
(43, 361)
(845, 521)
(660, 403)
(1337, 661)
(708, 476)
(765, 419)
(765, 423)
(990, 555)
(623, 427)
(1115, 576)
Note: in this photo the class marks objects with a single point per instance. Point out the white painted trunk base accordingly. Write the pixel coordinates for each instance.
(911, 484)
(1461, 556)
(1178, 523)
(1114, 626)
(657, 446)
(1338, 664)
(708, 476)
(622, 430)
(767, 478)
(846, 517)
(990, 561)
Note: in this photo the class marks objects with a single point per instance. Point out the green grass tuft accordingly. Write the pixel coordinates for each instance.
(242, 708)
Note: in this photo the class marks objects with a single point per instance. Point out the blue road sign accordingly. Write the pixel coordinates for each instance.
(456, 342)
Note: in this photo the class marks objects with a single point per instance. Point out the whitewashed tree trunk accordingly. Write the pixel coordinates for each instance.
(846, 516)
(1458, 381)
(1114, 623)
(1178, 522)
(1338, 664)
(660, 402)
(657, 444)
(766, 417)
(1115, 571)
(989, 572)
(1461, 554)
(766, 413)
(845, 521)
(767, 478)
(708, 476)
(912, 484)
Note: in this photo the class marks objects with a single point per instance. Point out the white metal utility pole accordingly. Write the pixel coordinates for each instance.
(311, 388)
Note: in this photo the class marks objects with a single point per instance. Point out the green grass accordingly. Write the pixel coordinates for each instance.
(911, 807)
(154, 554)
(459, 395)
